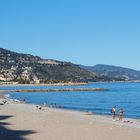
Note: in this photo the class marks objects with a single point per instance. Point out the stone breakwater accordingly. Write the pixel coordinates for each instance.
(56, 90)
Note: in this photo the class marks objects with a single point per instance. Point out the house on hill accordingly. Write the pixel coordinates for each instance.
(25, 75)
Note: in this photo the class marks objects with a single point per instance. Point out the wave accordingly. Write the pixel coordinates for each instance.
(7, 96)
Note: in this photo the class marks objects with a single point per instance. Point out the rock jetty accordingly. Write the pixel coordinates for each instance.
(58, 90)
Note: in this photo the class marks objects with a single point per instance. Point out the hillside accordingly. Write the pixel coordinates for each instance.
(109, 72)
(26, 68)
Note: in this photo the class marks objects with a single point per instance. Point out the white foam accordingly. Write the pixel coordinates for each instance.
(7, 96)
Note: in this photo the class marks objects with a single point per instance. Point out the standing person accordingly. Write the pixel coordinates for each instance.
(121, 114)
(114, 112)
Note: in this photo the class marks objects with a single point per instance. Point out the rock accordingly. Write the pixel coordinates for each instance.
(2, 101)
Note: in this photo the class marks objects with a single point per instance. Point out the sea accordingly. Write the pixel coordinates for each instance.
(124, 95)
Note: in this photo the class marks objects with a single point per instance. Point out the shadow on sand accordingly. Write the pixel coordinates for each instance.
(8, 134)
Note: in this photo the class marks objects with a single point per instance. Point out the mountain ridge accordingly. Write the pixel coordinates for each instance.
(114, 72)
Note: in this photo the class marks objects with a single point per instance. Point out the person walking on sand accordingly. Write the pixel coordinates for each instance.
(120, 114)
(114, 112)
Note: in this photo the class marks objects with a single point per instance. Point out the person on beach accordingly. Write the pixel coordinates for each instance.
(120, 114)
(114, 112)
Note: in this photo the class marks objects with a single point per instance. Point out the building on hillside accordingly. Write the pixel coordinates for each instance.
(25, 75)
(2, 78)
(36, 80)
(7, 75)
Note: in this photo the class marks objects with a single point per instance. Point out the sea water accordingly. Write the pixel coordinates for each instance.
(123, 94)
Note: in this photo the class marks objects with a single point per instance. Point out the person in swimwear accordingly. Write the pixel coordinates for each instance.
(114, 112)
(121, 114)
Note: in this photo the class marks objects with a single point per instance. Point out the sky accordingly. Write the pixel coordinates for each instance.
(84, 32)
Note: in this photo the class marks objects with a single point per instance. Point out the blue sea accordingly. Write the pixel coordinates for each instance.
(123, 94)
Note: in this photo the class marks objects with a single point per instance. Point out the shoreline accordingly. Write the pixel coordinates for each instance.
(64, 84)
(43, 84)
(104, 118)
(3, 96)
(56, 124)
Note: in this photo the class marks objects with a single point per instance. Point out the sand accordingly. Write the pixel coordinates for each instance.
(20, 121)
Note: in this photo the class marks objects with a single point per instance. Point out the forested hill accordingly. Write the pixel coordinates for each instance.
(28, 68)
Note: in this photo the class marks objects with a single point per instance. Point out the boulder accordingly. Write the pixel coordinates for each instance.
(2, 101)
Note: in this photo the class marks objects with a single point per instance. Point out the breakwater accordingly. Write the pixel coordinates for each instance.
(56, 90)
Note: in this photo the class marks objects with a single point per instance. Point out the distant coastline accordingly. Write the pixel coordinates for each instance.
(43, 84)
(64, 84)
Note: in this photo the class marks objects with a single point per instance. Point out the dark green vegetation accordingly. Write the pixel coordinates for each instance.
(114, 73)
(26, 68)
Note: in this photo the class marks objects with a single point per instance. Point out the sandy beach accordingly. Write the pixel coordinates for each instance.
(43, 84)
(19, 121)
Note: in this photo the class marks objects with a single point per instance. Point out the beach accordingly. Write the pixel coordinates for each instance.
(43, 84)
(29, 122)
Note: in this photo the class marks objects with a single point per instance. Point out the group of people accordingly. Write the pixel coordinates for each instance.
(120, 115)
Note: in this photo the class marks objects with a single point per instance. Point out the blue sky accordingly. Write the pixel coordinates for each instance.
(85, 32)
